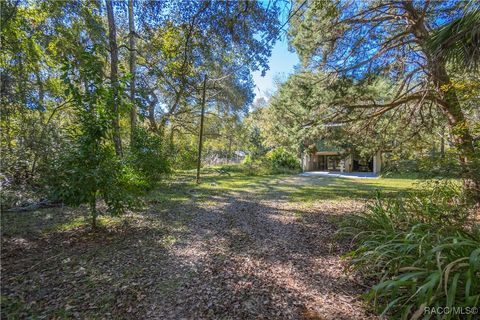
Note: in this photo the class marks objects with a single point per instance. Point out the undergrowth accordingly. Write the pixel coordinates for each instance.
(423, 251)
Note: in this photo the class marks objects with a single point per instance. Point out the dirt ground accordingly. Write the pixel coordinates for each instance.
(218, 255)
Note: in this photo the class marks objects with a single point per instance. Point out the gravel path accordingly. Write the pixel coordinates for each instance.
(260, 257)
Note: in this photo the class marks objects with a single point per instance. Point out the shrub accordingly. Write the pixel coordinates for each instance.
(282, 161)
(86, 173)
(423, 250)
(438, 166)
(253, 167)
(185, 154)
(274, 162)
(88, 168)
(427, 166)
(149, 157)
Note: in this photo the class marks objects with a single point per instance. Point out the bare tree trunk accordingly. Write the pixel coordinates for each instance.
(229, 152)
(133, 111)
(442, 144)
(112, 39)
(93, 211)
(200, 135)
(151, 112)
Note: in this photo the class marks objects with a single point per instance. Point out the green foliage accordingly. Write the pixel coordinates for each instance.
(422, 249)
(54, 69)
(440, 166)
(431, 166)
(148, 156)
(254, 166)
(89, 170)
(248, 160)
(458, 41)
(274, 162)
(281, 160)
(185, 154)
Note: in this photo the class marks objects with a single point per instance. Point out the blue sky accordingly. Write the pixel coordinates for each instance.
(281, 64)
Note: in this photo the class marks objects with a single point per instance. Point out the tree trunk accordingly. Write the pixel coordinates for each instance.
(93, 211)
(447, 99)
(112, 39)
(442, 144)
(171, 146)
(200, 135)
(151, 112)
(133, 111)
(461, 133)
(229, 152)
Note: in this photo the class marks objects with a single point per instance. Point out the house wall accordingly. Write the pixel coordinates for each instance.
(348, 163)
(309, 161)
(377, 162)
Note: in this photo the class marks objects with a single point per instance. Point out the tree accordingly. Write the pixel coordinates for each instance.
(132, 64)
(222, 38)
(459, 40)
(88, 168)
(160, 53)
(112, 39)
(390, 39)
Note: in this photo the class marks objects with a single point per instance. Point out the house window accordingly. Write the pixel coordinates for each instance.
(321, 163)
(333, 163)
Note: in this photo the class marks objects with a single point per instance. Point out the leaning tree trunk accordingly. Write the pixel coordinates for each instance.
(112, 39)
(133, 111)
(447, 101)
(462, 139)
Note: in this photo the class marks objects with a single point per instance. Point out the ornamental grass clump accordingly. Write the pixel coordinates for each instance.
(422, 249)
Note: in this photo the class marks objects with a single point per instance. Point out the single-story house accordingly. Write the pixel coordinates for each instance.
(320, 157)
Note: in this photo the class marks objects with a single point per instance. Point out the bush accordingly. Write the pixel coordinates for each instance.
(253, 167)
(88, 169)
(401, 166)
(148, 156)
(427, 166)
(274, 162)
(86, 173)
(438, 166)
(282, 161)
(423, 250)
(185, 154)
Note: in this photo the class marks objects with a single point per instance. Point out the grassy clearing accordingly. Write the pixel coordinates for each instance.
(304, 189)
(112, 269)
(181, 188)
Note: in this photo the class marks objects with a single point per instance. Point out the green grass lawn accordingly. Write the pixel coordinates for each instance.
(299, 188)
(181, 188)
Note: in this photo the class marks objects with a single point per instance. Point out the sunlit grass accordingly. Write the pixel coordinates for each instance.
(69, 225)
(214, 188)
(297, 188)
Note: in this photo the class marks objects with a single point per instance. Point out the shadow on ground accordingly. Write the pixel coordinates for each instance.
(224, 250)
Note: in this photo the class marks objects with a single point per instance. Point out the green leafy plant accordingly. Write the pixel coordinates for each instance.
(280, 160)
(422, 249)
(88, 168)
(148, 156)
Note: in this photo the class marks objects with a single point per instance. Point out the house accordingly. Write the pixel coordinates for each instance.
(319, 156)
